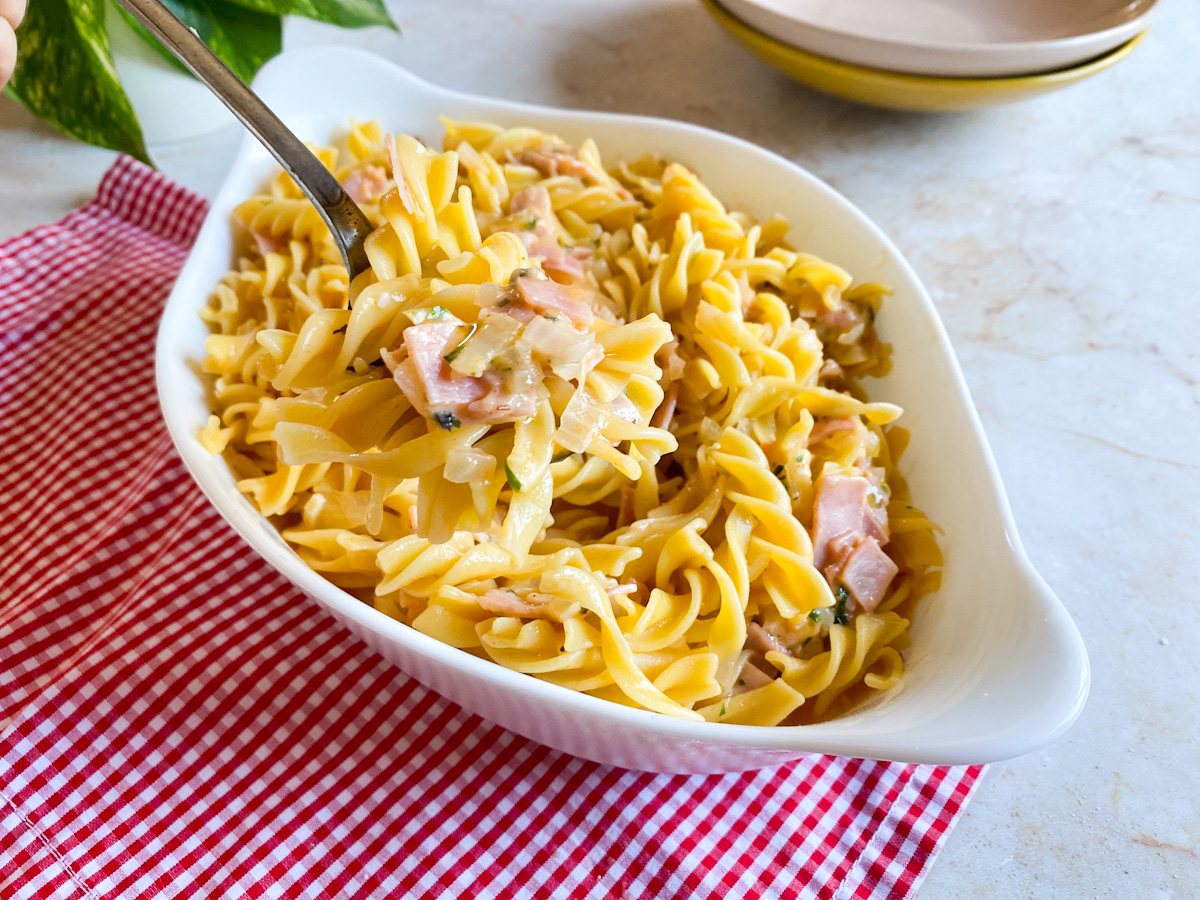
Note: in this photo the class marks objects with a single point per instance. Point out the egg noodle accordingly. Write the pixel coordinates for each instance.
(586, 423)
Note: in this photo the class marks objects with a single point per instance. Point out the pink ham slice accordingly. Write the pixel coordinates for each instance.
(434, 389)
(751, 678)
(563, 265)
(841, 508)
(504, 602)
(535, 201)
(866, 573)
(555, 161)
(829, 427)
(547, 296)
(444, 390)
(268, 243)
(844, 505)
(367, 184)
(762, 641)
(498, 403)
(847, 536)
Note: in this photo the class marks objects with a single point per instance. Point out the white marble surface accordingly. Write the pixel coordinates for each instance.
(1060, 239)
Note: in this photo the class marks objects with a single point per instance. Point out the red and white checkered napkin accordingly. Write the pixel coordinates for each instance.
(176, 720)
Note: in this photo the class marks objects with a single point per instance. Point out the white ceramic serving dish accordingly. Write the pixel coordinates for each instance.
(953, 38)
(997, 667)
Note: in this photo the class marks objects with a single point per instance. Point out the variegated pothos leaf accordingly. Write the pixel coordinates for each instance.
(65, 74)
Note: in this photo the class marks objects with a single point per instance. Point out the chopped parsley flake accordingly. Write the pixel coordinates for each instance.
(840, 616)
(529, 224)
(453, 354)
(814, 616)
(722, 709)
(741, 682)
(447, 420)
(438, 312)
(513, 481)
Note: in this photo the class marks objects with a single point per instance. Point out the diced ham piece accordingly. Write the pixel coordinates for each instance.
(562, 265)
(535, 201)
(829, 427)
(499, 403)
(269, 243)
(866, 571)
(843, 317)
(841, 507)
(552, 161)
(762, 641)
(505, 602)
(848, 533)
(435, 390)
(444, 390)
(547, 296)
(750, 678)
(847, 504)
(367, 184)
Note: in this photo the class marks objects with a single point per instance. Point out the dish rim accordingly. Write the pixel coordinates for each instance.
(836, 736)
(989, 48)
(840, 69)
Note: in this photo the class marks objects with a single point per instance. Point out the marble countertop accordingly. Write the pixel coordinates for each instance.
(1060, 239)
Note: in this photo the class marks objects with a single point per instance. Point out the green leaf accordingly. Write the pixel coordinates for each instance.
(243, 38)
(347, 13)
(65, 75)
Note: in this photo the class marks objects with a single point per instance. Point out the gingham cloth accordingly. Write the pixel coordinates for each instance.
(176, 720)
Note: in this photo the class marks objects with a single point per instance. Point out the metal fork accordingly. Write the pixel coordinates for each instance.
(347, 222)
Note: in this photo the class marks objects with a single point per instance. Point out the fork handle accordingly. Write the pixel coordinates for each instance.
(345, 220)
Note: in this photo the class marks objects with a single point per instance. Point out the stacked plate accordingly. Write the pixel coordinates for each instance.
(936, 54)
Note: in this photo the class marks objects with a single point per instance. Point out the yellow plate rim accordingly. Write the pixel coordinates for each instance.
(837, 69)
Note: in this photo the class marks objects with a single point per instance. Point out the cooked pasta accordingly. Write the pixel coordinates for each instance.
(586, 423)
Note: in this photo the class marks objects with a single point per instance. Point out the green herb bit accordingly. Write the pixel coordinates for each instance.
(803, 458)
(840, 616)
(741, 682)
(529, 224)
(722, 709)
(438, 312)
(513, 481)
(453, 354)
(447, 420)
(778, 471)
(562, 456)
(503, 303)
(814, 615)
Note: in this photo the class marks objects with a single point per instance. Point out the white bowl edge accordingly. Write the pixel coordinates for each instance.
(989, 712)
(948, 59)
